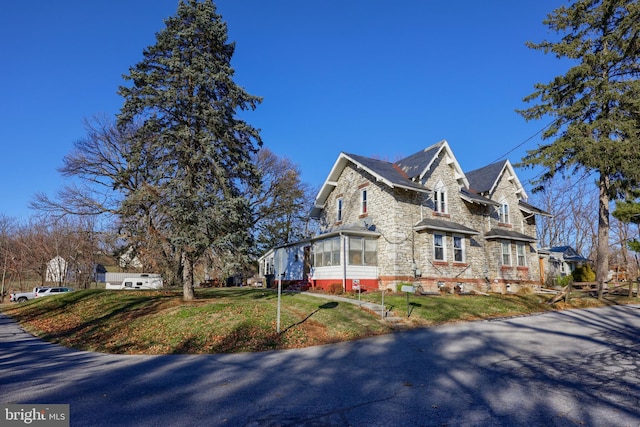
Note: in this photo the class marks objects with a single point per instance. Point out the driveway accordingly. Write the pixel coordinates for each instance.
(568, 368)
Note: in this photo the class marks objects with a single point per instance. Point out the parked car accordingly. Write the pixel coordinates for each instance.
(52, 291)
(24, 296)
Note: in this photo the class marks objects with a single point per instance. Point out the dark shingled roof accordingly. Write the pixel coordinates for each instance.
(498, 233)
(530, 208)
(482, 180)
(442, 225)
(476, 198)
(388, 171)
(416, 163)
(568, 253)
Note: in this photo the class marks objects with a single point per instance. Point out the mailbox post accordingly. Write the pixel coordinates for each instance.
(409, 289)
(279, 298)
(355, 285)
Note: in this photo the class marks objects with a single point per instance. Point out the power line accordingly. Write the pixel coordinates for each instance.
(524, 142)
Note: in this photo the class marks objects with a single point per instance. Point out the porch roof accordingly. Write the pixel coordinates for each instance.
(442, 225)
(498, 233)
(358, 229)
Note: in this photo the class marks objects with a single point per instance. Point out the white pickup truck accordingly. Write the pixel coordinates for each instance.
(24, 296)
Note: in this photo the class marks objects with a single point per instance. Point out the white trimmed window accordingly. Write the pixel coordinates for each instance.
(363, 251)
(521, 254)
(339, 209)
(438, 247)
(458, 249)
(363, 201)
(326, 252)
(506, 253)
(440, 199)
(504, 212)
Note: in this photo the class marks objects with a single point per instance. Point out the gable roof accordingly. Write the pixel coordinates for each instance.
(382, 171)
(476, 186)
(386, 172)
(417, 165)
(485, 179)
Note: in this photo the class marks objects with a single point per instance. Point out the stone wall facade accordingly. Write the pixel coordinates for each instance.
(407, 256)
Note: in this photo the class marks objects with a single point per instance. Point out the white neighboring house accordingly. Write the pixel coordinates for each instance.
(129, 260)
(286, 262)
(58, 270)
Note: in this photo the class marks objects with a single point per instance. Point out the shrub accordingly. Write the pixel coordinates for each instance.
(335, 288)
(584, 273)
(525, 290)
(446, 289)
(563, 280)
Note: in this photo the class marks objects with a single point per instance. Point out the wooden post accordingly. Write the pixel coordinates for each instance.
(568, 290)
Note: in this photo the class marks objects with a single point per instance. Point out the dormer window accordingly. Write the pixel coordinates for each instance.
(504, 212)
(440, 199)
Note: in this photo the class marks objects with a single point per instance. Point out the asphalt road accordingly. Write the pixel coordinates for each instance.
(579, 367)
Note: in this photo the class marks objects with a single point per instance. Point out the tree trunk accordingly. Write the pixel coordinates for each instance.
(602, 251)
(188, 293)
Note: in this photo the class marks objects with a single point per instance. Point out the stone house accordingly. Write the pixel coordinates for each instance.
(423, 220)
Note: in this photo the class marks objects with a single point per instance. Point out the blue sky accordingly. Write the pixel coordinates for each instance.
(370, 77)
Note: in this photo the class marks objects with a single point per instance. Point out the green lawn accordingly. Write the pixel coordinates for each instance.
(227, 320)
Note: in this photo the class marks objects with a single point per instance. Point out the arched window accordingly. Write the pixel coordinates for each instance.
(440, 198)
(504, 212)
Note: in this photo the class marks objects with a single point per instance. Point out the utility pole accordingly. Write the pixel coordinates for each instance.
(4, 273)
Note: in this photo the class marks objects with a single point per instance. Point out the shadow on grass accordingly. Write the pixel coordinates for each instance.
(114, 309)
(325, 306)
(412, 306)
(247, 337)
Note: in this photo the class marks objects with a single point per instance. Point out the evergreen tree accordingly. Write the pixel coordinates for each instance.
(628, 211)
(191, 141)
(596, 104)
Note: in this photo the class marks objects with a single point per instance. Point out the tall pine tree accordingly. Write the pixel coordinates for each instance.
(596, 104)
(190, 139)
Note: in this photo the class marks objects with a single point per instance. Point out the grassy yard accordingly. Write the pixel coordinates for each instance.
(227, 320)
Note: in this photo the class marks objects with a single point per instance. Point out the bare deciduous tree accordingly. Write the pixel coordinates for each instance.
(573, 204)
